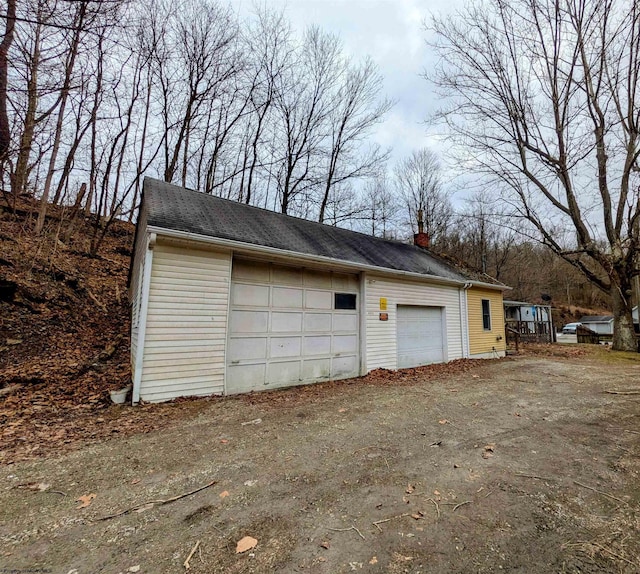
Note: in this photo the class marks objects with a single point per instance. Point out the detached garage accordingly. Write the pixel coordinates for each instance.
(228, 298)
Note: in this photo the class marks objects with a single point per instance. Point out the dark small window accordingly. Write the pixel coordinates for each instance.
(345, 301)
(486, 315)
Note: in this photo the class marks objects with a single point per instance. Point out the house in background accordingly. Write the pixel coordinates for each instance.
(228, 298)
(601, 324)
(532, 322)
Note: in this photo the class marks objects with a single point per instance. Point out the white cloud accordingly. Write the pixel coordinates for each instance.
(392, 33)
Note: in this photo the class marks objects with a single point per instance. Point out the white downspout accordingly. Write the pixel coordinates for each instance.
(464, 320)
(142, 325)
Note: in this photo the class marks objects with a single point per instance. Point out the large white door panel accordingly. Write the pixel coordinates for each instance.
(282, 322)
(286, 297)
(317, 322)
(248, 348)
(284, 330)
(249, 321)
(420, 337)
(250, 295)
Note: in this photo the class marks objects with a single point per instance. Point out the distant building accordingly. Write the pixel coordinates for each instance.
(601, 324)
(532, 322)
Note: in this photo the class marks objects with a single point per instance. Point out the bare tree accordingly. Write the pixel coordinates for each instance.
(303, 102)
(195, 56)
(483, 236)
(545, 97)
(418, 181)
(5, 132)
(380, 207)
(270, 41)
(357, 111)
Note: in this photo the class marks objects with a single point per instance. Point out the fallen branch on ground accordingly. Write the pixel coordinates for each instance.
(347, 530)
(377, 522)
(151, 503)
(600, 492)
(628, 392)
(604, 549)
(522, 474)
(437, 507)
(461, 504)
(193, 551)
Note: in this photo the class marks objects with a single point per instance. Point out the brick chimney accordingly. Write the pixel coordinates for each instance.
(421, 239)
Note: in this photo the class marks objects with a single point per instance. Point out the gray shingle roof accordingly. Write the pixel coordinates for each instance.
(172, 207)
(596, 319)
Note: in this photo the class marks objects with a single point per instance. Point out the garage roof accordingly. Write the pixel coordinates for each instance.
(176, 208)
(597, 319)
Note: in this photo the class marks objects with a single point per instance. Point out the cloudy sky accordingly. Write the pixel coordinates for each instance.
(392, 33)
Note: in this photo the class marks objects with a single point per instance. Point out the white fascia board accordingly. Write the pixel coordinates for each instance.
(248, 249)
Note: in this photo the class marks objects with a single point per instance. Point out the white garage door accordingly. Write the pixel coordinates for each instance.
(420, 336)
(290, 326)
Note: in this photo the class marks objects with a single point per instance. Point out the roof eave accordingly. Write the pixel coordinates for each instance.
(248, 248)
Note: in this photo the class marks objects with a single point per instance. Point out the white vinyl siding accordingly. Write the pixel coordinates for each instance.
(184, 343)
(381, 342)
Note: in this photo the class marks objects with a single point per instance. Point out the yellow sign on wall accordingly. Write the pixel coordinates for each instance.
(383, 303)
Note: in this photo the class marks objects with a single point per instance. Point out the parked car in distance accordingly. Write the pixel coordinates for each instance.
(570, 328)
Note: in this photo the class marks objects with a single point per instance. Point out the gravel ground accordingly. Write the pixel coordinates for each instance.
(524, 464)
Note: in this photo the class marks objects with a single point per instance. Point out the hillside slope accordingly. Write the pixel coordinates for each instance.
(64, 324)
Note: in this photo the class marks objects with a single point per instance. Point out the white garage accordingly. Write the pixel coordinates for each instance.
(421, 339)
(227, 298)
(289, 326)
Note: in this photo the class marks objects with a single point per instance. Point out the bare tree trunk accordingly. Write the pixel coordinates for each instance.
(26, 139)
(5, 132)
(64, 94)
(623, 332)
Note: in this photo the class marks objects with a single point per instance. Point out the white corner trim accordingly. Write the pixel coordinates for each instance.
(464, 322)
(142, 322)
(228, 331)
(363, 323)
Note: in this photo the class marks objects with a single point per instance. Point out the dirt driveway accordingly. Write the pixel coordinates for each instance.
(522, 465)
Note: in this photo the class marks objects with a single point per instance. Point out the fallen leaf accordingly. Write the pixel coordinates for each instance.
(488, 451)
(342, 410)
(224, 441)
(443, 421)
(325, 545)
(417, 516)
(436, 492)
(247, 543)
(374, 560)
(322, 559)
(135, 481)
(86, 500)
(224, 494)
(410, 488)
